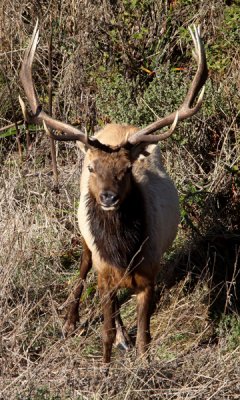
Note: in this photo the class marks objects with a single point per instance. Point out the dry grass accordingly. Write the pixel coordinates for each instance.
(40, 254)
(195, 351)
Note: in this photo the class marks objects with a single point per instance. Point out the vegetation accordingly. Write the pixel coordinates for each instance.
(122, 61)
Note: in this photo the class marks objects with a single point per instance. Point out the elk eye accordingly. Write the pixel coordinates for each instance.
(90, 168)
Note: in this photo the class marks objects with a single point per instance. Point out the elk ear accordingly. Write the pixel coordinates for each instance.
(141, 150)
(82, 146)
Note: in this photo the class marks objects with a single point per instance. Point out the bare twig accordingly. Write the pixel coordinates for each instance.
(50, 86)
(28, 142)
(6, 127)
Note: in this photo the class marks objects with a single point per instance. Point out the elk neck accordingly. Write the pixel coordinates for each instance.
(119, 234)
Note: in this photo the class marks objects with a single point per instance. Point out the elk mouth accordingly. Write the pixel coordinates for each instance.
(110, 207)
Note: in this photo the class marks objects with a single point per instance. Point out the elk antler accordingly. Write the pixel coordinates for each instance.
(144, 135)
(187, 109)
(38, 115)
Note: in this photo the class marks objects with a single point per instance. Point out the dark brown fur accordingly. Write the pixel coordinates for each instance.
(118, 234)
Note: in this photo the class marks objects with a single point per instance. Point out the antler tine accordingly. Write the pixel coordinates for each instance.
(196, 45)
(202, 72)
(39, 116)
(155, 138)
(187, 109)
(26, 70)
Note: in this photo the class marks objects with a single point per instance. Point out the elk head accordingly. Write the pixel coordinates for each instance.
(135, 144)
(110, 177)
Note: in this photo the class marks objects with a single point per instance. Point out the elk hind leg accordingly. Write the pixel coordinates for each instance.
(122, 340)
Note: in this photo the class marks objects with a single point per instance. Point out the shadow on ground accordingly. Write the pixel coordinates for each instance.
(213, 258)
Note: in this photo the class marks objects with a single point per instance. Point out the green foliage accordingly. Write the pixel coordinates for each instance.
(231, 18)
(123, 101)
(114, 98)
(92, 350)
(165, 354)
(8, 132)
(226, 41)
(229, 329)
(192, 199)
(89, 292)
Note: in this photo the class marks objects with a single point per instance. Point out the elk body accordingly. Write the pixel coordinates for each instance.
(129, 211)
(128, 217)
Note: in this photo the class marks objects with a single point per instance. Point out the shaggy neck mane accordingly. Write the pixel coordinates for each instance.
(118, 234)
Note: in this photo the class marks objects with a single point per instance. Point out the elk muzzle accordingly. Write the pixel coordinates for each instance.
(109, 200)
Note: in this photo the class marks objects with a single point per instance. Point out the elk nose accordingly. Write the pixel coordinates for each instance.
(108, 198)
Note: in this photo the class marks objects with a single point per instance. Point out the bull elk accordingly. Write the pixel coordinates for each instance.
(129, 210)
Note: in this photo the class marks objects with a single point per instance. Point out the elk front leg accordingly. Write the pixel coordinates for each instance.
(74, 297)
(109, 328)
(144, 310)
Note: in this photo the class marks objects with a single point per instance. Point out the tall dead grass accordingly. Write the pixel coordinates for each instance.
(195, 349)
(38, 260)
